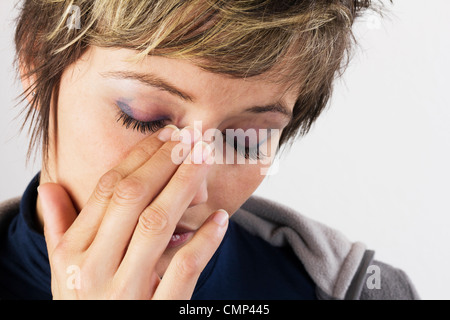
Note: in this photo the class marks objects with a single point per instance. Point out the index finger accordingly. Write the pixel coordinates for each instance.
(158, 221)
(90, 218)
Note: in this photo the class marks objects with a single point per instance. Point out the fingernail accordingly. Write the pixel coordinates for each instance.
(221, 217)
(166, 133)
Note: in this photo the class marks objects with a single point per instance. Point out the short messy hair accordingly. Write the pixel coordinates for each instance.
(308, 40)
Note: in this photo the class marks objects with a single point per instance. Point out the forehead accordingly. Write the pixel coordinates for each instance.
(205, 86)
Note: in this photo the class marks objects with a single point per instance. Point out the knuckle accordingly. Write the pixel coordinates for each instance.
(59, 255)
(154, 220)
(106, 185)
(184, 176)
(166, 150)
(141, 152)
(188, 264)
(130, 189)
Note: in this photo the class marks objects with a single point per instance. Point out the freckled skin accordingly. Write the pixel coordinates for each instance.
(90, 141)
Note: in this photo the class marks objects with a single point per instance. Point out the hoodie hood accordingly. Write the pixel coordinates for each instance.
(336, 264)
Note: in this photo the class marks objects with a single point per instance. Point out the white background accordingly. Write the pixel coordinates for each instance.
(375, 165)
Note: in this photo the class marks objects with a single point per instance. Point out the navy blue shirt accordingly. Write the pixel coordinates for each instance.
(243, 267)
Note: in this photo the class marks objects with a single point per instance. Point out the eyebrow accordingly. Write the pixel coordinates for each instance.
(149, 80)
(278, 107)
(160, 83)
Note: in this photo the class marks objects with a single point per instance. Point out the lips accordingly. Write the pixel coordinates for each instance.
(180, 236)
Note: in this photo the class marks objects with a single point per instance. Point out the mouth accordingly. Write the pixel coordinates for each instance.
(180, 236)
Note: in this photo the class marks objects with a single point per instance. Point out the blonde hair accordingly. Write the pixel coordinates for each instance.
(307, 41)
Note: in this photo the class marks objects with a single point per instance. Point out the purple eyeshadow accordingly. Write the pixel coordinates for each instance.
(136, 114)
(125, 108)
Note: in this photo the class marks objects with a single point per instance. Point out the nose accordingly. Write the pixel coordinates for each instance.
(201, 196)
(207, 121)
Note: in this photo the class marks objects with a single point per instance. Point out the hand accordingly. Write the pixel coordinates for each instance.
(111, 248)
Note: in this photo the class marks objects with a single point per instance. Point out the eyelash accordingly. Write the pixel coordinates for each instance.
(141, 126)
(252, 153)
(153, 126)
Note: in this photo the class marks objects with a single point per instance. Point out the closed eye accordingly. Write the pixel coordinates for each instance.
(140, 126)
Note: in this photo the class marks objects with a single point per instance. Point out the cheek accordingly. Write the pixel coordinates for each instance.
(229, 186)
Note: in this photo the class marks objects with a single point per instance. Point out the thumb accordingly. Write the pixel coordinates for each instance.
(58, 212)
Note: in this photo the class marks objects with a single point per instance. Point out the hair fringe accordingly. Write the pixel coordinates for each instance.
(307, 42)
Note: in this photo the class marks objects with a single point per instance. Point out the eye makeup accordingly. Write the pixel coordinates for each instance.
(125, 108)
(127, 116)
(244, 146)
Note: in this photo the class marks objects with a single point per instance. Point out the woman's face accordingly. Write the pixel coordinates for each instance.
(101, 93)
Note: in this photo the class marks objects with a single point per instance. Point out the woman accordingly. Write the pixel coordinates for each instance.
(134, 197)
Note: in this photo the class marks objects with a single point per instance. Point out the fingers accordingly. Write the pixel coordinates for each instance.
(58, 213)
(131, 196)
(182, 274)
(90, 218)
(131, 216)
(156, 224)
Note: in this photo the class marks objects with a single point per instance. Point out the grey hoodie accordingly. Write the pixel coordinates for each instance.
(340, 269)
